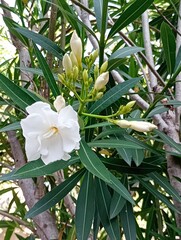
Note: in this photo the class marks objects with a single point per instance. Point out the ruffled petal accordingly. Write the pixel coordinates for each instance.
(66, 114)
(52, 149)
(33, 125)
(32, 148)
(37, 107)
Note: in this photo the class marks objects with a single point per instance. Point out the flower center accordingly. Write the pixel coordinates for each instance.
(53, 130)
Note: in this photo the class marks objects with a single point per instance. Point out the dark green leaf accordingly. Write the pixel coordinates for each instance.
(169, 46)
(10, 127)
(47, 72)
(138, 156)
(112, 95)
(16, 93)
(43, 42)
(85, 207)
(129, 15)
(114, 59)
(103, 201)
(92, 162)
(53, 197)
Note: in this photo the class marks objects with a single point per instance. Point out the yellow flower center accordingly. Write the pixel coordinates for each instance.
(53, 130)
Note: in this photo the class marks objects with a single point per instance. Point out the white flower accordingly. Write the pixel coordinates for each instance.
(139, 126)
(48, 134)
(101, 81)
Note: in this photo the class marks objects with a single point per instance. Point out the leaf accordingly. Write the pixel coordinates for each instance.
(128, 221)
(85, 207)
(38, 168)
(126, 154)
(157, 194)
(120, 188)
(54, 196)
(164, 183)
(44, 42)
(112, 95)
(16, 93)
(103, 201)
(129, 15)
(138, 156)
(169, 46)
(93, 164)
(157, 110)
(47, 72)
(10, 127)
(114, 59)
(117, 202)
(168, 140)
(114, 143)
(98, 7)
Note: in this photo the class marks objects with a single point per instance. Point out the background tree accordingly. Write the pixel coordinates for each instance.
(140, 41)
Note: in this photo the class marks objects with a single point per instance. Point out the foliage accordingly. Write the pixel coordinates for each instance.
(118, 178)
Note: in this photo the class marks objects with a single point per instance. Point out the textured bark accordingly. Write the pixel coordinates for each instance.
(45, 223)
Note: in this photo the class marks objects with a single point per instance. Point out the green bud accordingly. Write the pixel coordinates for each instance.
(104, 67)
(85, 76)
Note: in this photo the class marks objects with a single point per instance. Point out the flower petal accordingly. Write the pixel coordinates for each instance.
(71, 137)
(37, 107)
(52, 149)
(66, 114)
(32, 148)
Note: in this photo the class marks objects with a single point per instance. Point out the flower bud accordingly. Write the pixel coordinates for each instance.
(139, 126)
(101, 81)
(59, 103)
(67, 64)
(76, 46)
(104, 67)
(85, 77)
(73, 59)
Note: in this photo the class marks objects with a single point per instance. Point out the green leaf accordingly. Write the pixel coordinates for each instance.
(138, 156)
(164, 183)
(16, 93)
(54, 196)
(128, 221)
(126, 154)
(38, 168)
(120, 188)
(44, 42)
(169, 46)
(10, 127)
(158, 195)
(114, 59)
(157, 110)
(93, 164)
(112, 95)
(114, 143)
(168, 140)
(47, 72)
(85, 207)
(129, 15)
(103, 201)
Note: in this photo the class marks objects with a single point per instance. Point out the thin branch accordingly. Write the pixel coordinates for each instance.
(148, 49)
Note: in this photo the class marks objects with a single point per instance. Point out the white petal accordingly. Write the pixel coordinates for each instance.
(33, 125)
(32, 148)
(66, 156)
(66, 114)
(52, 149)
(37, 107)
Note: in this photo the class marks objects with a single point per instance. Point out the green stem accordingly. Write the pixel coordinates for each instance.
(99, 116)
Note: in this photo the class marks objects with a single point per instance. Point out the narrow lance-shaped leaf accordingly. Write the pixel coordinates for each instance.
(54, 196)
(44, 42)
(112, 95)
(129, 15)
(16, 93)
(47, 72)
(92, 162)
(85, 207)
(103, 202)
(169, 46)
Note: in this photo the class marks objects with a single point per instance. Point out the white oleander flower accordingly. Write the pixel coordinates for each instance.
(48, 134)
(59, 103)
(101, 81)
(139, 126)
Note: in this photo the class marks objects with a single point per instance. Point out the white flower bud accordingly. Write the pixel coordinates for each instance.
(73, 59)
(59, 103)
(139, 126)
(67, 64)
(76, 46)
(101, 81)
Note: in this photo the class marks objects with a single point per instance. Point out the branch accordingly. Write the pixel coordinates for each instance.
(148, 48)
